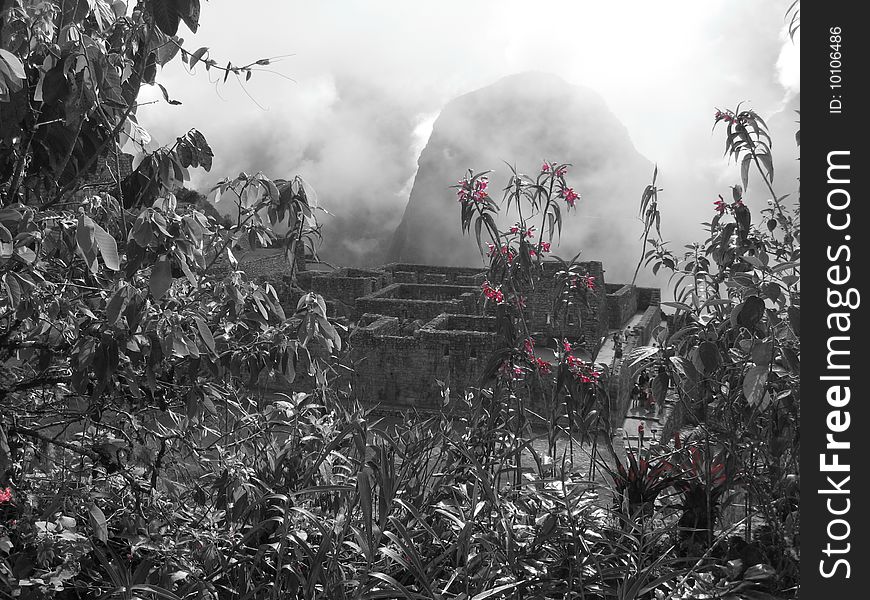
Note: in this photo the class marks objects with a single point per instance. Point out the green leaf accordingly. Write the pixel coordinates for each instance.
(13, 290)
(85, 234)
(161, 277)
(755, 384)
(744, 170)
(678, 306)
(709, 356)
(197, 56)
(497, 591)
(108, 248)
(116, 305)
(205, 334)
(189, 12)
(15, 66)
(98, 521)
(759, 573)
(762, 353)
(166, 16)
(794, 319)
(767, 161)
(750, 312)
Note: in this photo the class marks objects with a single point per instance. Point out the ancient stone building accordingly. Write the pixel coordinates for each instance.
(418, 327)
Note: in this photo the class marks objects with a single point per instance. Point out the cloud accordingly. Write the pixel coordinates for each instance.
(367, 77)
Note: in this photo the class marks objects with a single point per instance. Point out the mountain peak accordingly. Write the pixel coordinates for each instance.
(524, 119)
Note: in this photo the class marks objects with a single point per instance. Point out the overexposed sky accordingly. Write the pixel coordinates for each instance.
(369, 78)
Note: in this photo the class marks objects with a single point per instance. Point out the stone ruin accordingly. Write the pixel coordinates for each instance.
(415, 328)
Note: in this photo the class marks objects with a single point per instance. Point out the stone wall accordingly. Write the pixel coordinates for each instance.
(420, 301)
(593, 315)
(404, 370)
(622, 304)
(648, 297)
(409, 273)
(347, 285)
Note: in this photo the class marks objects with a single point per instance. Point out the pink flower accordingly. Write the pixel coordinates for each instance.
(561, 171)
(571, 196)
(529, 346)
(492, 293)
(544, 368)
(545, 246)
(475, 192)
(719, 206)
(510, 372)
(5, 495)
(587, 280)
(582, 371)
(726, 116)
(545, 168)
(566, 346)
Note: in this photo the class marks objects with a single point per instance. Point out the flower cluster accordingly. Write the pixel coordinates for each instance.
(545, 247)
(543, 367)
(588, 281)
(570, 196)
(518, 228)
(505, 251)
(492, 293)
(720, 206)
(558, 170)
(5, 495)
(510, 371)
(472, 192)
(726, 116)
(583, 371)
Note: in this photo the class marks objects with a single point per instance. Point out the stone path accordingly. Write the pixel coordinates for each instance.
(606, 354)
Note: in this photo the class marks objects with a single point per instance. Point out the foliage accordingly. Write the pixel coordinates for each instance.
(129, 340)
(144, 453)
(733, 350)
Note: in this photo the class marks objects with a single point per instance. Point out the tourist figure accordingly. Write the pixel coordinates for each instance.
(617, 344)
(635, 396)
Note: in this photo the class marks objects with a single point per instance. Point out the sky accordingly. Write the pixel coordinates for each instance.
(351, 104)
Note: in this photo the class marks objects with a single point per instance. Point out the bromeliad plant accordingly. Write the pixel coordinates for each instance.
(704, 477)
(640, 481)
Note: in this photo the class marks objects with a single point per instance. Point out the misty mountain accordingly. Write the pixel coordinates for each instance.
(523, 120)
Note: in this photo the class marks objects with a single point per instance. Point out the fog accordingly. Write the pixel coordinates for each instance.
(351, 105)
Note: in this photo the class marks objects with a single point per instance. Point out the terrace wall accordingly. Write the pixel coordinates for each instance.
(404, 370)
(420, 301)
